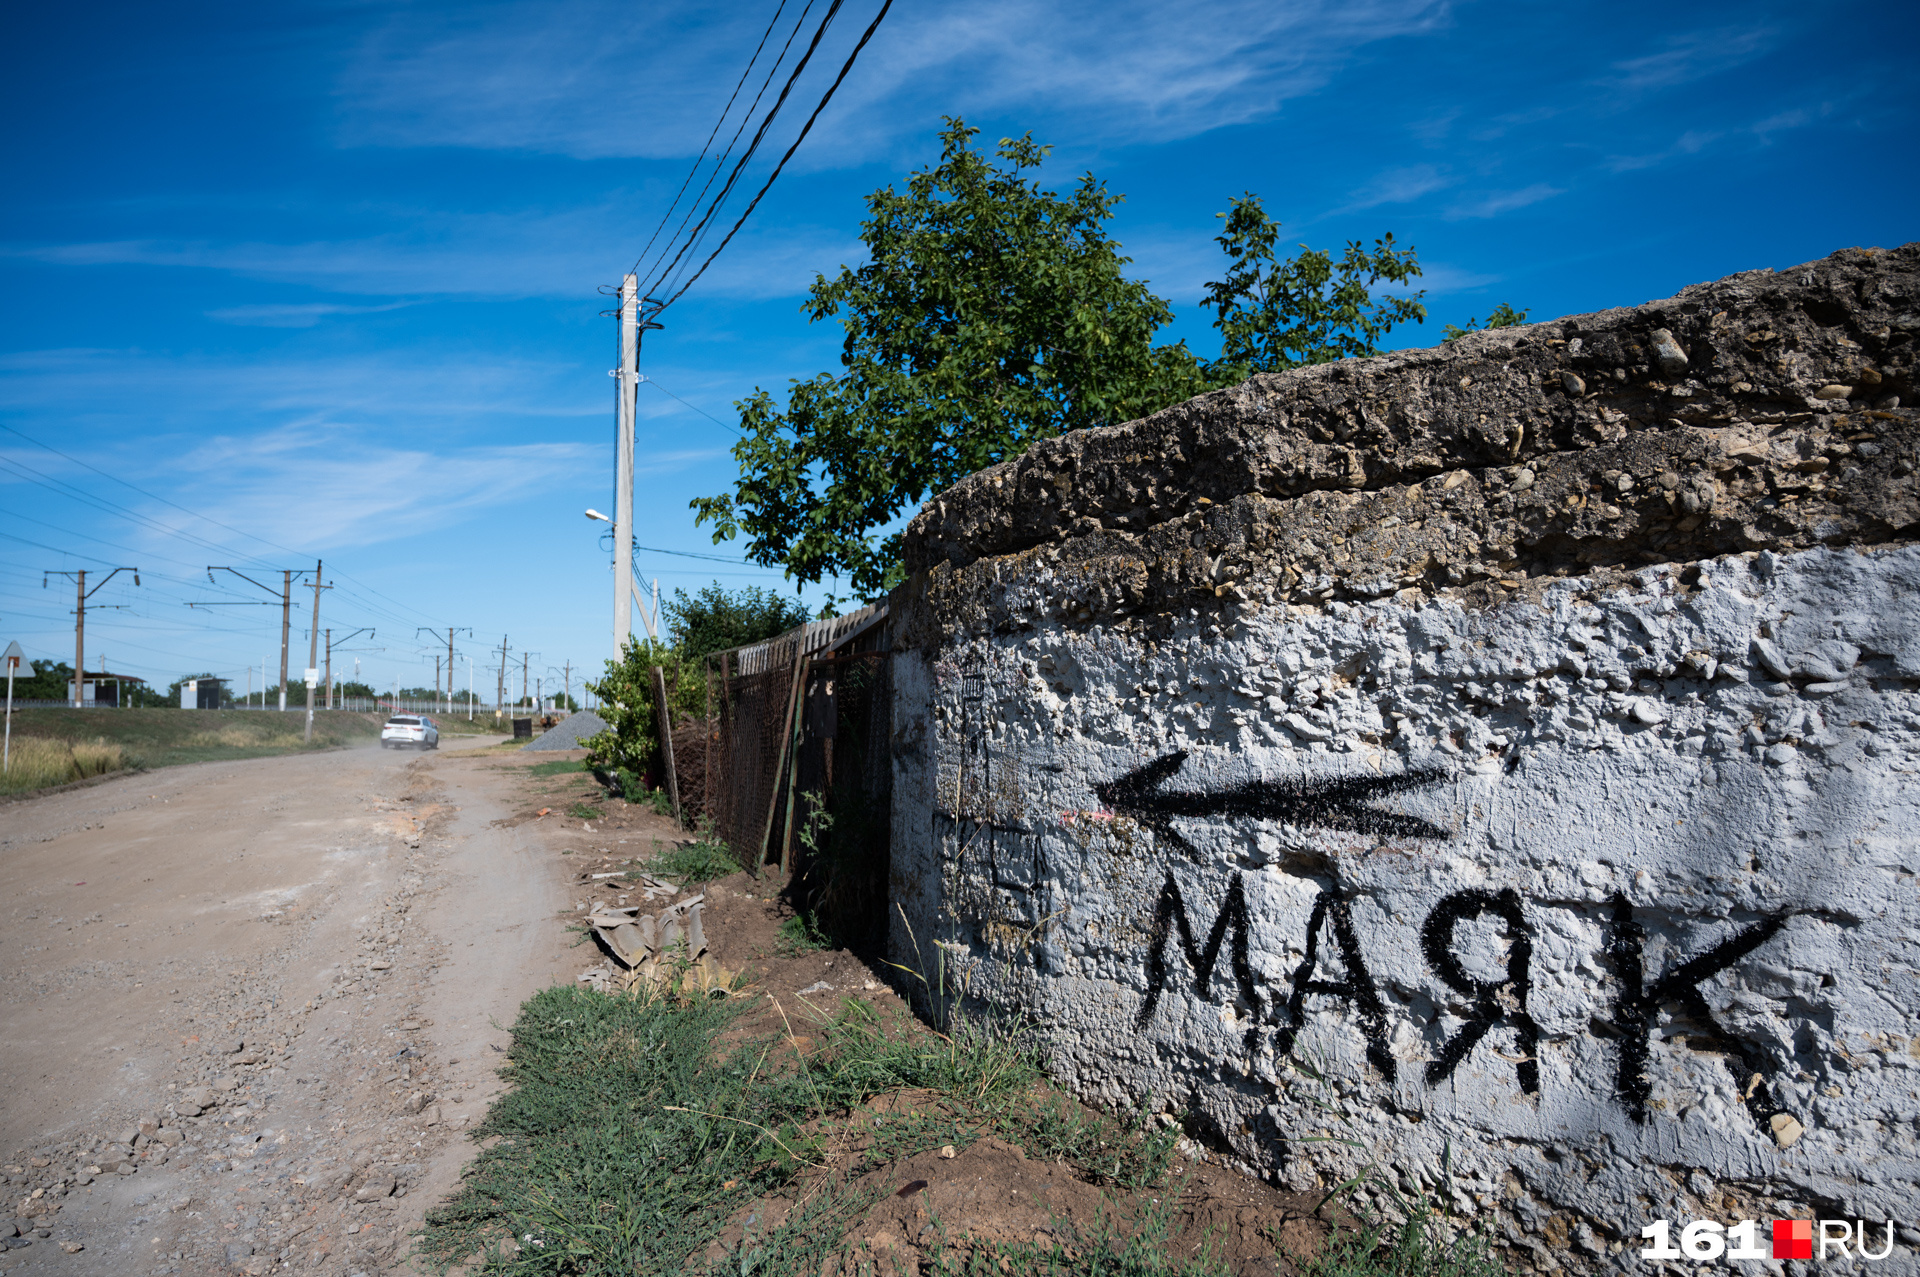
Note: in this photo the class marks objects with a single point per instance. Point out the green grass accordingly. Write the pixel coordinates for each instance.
(582, 811)
(1098, 1252)
(560, 768)
(803, 933)
(167, 737)
(700, 861)
(1421, 1242)
(631, 1134)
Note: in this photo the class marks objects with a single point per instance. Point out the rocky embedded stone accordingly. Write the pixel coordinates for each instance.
(375, 1189)
(1572, 383)
(1833, 392)
(1786, 1129)
(224, 1085)
(1667, 354)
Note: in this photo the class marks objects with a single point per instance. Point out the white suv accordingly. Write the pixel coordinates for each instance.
(410, 729)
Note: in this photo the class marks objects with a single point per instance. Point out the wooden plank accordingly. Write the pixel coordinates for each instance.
(665, 715)
(786, 742)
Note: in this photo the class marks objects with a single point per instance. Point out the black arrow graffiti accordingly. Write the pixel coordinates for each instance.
(1331, 802)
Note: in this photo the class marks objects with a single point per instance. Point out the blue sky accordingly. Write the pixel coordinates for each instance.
(326, 275)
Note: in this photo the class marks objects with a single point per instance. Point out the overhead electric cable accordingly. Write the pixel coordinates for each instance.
(759, 135)
(702, 411)
(804, 130)
(745, 118)
(724, 112)
(153, 496)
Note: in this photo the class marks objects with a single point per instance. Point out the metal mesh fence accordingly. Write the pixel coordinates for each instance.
(746, 747)
(773, 718)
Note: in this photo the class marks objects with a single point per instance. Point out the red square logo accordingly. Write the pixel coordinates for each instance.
(1793, 1239)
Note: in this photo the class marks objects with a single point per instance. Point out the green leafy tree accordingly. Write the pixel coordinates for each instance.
(1277, 313)
(1503, 316)
(716, 619)
(991, 313)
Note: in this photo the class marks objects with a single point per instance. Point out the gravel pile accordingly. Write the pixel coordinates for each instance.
(570, 732)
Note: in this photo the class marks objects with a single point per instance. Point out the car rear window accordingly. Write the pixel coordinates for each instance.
(403, 722)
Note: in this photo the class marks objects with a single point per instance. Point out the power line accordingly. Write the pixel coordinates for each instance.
(745, 119)
(153, 496)
(702, 411)
(804, 130)
(724, 112)
(773, 112)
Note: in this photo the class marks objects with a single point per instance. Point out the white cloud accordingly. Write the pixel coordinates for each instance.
(584, 77)
(86, 387)
(1498, 202)
(293, 314)
(1689, 57)
(568, 253)
(329, 488)
(1398, 186)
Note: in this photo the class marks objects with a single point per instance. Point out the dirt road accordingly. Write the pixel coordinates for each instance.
(247, 1007)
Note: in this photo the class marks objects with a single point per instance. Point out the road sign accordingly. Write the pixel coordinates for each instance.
(13, 656)
(313, 678)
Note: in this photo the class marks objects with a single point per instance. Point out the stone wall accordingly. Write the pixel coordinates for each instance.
(1503, 752)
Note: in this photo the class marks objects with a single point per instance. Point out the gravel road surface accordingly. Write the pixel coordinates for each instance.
(247, 1008)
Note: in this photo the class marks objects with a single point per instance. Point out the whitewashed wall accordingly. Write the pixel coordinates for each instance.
(1704, 791)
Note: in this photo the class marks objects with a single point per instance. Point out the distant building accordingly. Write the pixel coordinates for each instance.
(201, 693)
(101, 689)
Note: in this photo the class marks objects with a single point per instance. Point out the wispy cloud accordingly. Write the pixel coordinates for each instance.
(508, 254)
(413, 391)
(579, 77)
(294, 314)
(332, 488)
(1498, 202)
(1399, 186)
(1692, 56)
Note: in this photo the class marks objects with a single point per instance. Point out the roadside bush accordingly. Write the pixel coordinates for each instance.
(630, 747)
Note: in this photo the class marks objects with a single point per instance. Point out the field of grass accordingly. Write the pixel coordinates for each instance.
(52, 746)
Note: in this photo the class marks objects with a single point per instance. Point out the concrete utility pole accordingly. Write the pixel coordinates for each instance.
(81, 595)
(627, 388)
(312, 679)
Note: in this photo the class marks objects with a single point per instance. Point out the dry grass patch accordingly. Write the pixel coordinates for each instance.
(35, 764)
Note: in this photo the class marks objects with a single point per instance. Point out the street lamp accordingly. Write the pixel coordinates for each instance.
(595, 514)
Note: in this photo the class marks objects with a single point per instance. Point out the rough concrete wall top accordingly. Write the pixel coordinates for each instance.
(1757, 411)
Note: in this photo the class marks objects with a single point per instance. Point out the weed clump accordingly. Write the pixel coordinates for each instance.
(1422, 1244)
(702, 860)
